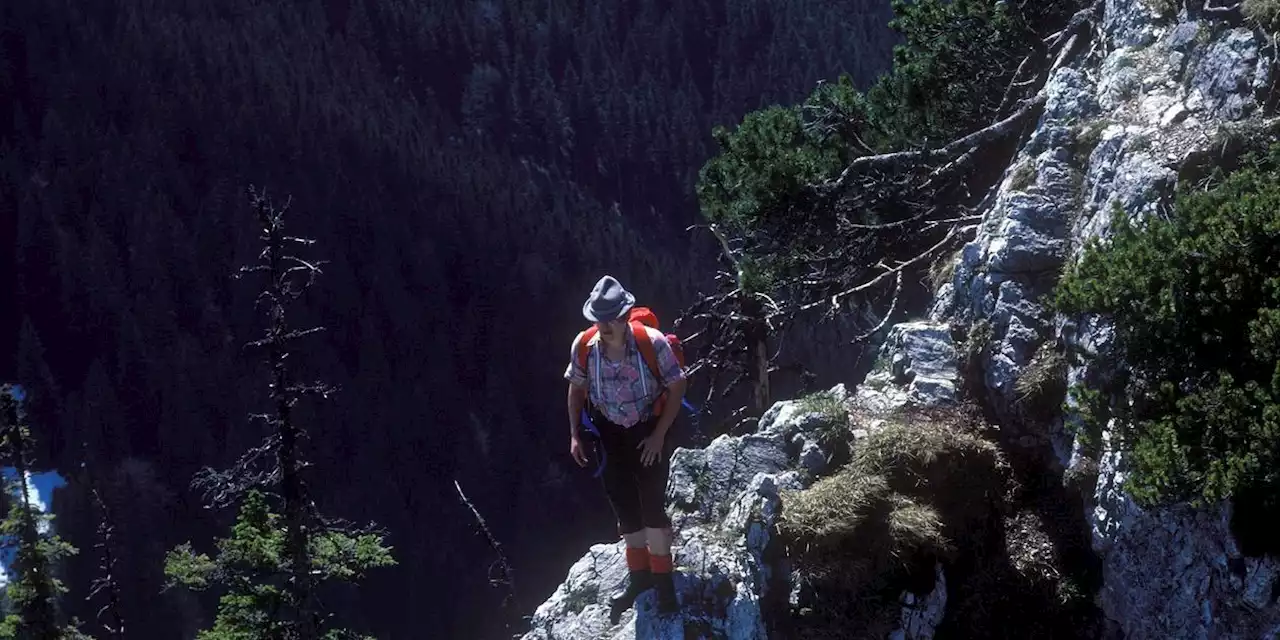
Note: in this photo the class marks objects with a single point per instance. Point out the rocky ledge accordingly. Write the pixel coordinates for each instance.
(731, 577)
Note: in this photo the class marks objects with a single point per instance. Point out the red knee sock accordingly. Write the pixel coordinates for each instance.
(660, 564)
(638, 558)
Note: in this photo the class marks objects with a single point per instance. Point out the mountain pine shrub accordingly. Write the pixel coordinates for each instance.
(1195, 301)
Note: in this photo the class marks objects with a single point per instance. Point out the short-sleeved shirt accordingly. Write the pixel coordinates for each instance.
(624, 391)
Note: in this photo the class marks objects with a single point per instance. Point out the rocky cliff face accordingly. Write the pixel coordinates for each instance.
(1117, 130)
(1152, 96)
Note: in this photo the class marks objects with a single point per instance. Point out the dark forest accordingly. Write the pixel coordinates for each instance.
(467, 171)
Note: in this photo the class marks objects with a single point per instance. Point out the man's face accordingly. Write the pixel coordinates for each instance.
(612, 331)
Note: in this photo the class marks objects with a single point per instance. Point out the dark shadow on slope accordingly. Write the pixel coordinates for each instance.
(1034, 576)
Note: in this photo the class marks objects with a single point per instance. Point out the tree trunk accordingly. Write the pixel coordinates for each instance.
(296, 534)
(757, 338)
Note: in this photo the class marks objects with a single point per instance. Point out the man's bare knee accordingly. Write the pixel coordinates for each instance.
(636, 539)
(659, 541)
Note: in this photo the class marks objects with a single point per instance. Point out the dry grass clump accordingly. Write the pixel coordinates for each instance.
(1264, 12)
(835, 435)
(856, 513)
(913, 491)
(1042, 386)
(1166, 8)
(944, 269)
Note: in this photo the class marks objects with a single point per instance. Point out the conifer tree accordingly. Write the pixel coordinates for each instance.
(33, 590)
(280, 547)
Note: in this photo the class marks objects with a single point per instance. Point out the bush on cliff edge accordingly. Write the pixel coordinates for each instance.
(1195, 301)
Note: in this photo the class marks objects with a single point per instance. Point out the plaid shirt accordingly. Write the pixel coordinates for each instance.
(624, 391)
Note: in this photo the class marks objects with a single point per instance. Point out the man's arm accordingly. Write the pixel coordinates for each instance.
(675, 393)
(577, 377)
(577, 400)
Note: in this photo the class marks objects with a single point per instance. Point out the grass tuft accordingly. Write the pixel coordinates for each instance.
(913, 493)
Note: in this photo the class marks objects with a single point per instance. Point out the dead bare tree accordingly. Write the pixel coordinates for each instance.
(275, 467)
(500, 572)
(105, 583)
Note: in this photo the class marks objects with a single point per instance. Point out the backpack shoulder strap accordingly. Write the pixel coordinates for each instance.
(580, 348)
(645, 342)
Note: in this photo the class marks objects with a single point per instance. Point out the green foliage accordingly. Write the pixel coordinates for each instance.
(760, 177)
(252, 565)
(826, 404)
(1195, 300)
(760, 183)
(271, 564)
(1092, 413)
(951, 71)
(753, 276)
(979, 41)
(34, 590)
(358, 106)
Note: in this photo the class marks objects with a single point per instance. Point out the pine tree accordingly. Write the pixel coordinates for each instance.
(34, 590)
(280, 547)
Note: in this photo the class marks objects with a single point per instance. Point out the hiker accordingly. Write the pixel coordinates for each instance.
(631, 393)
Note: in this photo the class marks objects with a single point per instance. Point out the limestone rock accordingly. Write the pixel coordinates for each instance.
(922, 369)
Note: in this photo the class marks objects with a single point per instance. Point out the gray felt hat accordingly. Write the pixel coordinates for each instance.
(608, 301)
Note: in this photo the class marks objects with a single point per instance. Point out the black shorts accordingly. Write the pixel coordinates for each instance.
(637, 493)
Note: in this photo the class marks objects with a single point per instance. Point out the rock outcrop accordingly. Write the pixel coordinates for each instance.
(731, 577)
(724, 503)
(1120, 124)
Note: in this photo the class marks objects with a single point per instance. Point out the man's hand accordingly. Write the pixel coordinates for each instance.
(575, 450)
(651, 448)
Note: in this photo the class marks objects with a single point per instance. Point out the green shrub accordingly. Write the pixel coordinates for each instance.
(1195, 300)
(763, 167)
(1093, 414)
(756, 183)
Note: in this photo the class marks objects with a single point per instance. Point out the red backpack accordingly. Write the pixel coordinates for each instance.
(640, 318)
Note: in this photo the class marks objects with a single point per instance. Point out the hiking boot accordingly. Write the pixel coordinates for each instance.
(622, 600)
(666, 587)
